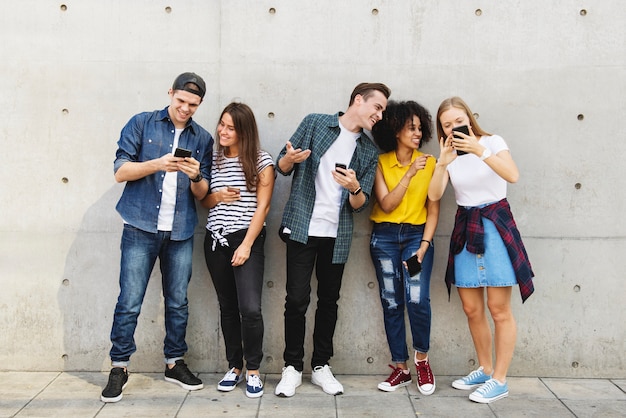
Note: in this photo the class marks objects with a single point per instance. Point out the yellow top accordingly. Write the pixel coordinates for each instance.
(412, 208)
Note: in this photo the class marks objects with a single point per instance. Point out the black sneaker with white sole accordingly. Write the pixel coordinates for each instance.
(118, 378)
(181, 375)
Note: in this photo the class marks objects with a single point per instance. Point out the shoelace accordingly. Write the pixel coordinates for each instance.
(473, 375)
(328, 375)
(254, 381)
(395, 376)
(424, 372)
(487, 387)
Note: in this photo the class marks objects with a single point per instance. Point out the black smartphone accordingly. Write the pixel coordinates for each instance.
(464, 129)
(182, 152)
(413, 265)
(341, 165)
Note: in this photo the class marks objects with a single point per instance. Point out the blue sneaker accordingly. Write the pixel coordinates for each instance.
(490, 391)
(472, 380)
(229, 381)
(254, 386)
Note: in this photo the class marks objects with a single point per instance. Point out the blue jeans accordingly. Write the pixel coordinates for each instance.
(390, 244)
(140, 250)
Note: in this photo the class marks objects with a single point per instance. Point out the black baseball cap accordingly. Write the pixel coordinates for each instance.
(182, 80)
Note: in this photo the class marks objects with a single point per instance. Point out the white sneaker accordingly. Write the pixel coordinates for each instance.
(289, 382)
(322, 376)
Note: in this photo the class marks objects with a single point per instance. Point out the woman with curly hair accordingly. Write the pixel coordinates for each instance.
(404, 226)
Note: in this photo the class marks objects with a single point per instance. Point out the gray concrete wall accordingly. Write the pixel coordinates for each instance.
(547, 76)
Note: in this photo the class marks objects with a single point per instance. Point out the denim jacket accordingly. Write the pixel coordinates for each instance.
(147, 136)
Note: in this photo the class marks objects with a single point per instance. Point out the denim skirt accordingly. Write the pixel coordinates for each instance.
(491, 269)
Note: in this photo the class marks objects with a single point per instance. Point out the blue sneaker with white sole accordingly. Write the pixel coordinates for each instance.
(490, 392)
(472, 380)
(229, 381)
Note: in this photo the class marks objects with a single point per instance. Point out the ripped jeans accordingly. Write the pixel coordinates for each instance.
(390, 244)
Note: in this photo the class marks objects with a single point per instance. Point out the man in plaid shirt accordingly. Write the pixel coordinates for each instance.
(333, 165)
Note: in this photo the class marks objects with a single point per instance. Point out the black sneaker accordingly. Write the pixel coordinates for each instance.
(118, 378)
(181, 375)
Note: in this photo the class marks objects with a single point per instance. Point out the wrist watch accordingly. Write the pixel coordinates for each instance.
(197, 178)
(357, 191)
(486, 154)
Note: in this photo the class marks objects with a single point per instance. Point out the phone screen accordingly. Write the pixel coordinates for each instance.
(464, 129)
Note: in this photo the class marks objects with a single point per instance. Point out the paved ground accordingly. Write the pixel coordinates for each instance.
(54, 394)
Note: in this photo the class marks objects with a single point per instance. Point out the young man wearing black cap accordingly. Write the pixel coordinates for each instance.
(159, 215)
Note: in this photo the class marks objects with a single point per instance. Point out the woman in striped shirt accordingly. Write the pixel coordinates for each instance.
(242, 181)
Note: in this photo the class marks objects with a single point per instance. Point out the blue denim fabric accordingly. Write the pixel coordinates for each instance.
(147, 136)
(390, 244)
(140, 250)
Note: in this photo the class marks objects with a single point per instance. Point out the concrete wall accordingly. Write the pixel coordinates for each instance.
(547, 76)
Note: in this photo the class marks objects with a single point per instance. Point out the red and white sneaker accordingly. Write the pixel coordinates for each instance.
(425, 377)
(396, 379)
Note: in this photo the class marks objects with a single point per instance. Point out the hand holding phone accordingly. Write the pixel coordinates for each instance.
(340, 165)
(463, 129)
(182, 152)
(233, 189)
(413, 265)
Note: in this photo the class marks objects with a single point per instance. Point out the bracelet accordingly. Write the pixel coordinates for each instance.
(429, 242)
(406, 187)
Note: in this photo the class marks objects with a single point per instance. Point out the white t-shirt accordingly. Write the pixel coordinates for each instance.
(168, 194)
(474, 182)
(325, 216)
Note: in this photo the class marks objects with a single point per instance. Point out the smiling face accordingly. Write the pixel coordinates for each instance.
(452, 118)
(183, 105)
(411, 135)
(227, 134)
(371, 109)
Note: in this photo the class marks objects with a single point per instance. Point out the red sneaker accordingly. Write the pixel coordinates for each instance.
(396, 379)
(425, 378)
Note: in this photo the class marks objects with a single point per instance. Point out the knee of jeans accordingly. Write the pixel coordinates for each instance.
(387, 283)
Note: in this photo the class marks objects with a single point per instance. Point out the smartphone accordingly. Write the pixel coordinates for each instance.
(413, 265)
(341, 165)
(233, 189)
(464, 129)
(182, 152)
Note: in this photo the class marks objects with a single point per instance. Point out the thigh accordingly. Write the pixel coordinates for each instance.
(220, 269)
(473, 300)
(300, 263)
(329, 275)
(176, 257)
(139, 253)
(249, 277)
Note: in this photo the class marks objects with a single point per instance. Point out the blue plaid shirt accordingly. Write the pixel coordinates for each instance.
(317, 132)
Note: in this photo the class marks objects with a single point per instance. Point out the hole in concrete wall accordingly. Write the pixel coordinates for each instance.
(269, 359)
(478, 12)
(370, 360)
(168, 9)
(64, 357)
(577, 288)
(577, 186)
(65, 180)
(270, 115)
(580, 116)
(66, 282)
(583, 12)
(270, 284)
(63, 7)
(65, 111)
(272, 11)
(575, 364)
(370, 285)
(476, 115)
(375, 12)
(471, 362)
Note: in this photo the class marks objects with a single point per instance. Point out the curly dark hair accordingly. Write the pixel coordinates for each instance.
(394, 120)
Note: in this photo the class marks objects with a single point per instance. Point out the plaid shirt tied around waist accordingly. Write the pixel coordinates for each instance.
(468, 229)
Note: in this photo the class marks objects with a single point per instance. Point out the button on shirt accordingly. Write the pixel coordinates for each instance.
(148, 136)
(317, 132)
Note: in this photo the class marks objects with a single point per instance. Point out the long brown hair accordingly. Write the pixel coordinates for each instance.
(459, 104)
(248, 138)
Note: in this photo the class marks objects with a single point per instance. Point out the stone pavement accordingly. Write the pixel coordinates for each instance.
(77, 394)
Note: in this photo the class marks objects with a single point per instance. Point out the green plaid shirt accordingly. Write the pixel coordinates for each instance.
(317, 132)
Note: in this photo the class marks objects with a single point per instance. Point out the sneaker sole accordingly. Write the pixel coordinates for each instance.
(386, 388)
(339, 392)
(463, 386)
(286, 394)
(184, 385)
(254, 395)
(113, 400)
(227, 388)
(427, 392)
(488, 400)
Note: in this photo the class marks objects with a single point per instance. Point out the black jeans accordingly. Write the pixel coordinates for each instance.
(239, 295)
(301, 258)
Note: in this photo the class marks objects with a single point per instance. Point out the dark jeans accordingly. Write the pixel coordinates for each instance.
(301, 258)
(140, 250)
(239, 295)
